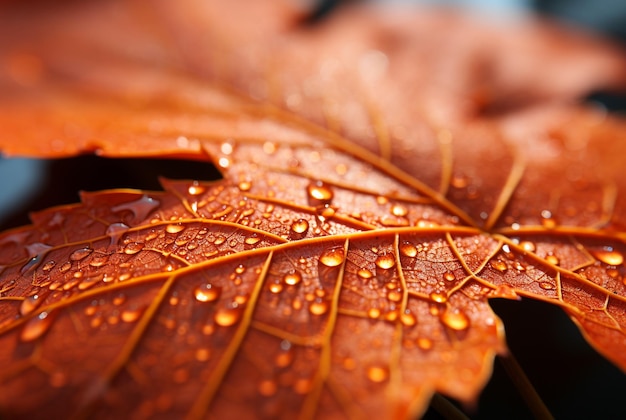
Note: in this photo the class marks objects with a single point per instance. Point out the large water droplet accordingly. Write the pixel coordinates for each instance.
(377, 373)
(439, 297)
(29, 304)
(365, 274)
(373, 313)
(385, 261)
(498, 265)
(319, 194)
(37, 326)
(276, 287)
(609, 256)
(175, 228)
(318, 307)
(399, 210)
(552, 259)
(227, 316)
(207, 293)
(245, 186)
(133, 248)
(408, 250)
(300, 226)
(455, 319)
(49, 265)
(292, 279)
(332, 257)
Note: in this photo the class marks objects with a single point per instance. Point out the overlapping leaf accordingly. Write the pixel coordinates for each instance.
(381, 183)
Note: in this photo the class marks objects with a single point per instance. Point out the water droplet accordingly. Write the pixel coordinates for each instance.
(219, 240)
(292, 278)
(140, 208)
(175, 228)
(65, 267)
(252, 240)
(455, 319)
(133, 248)
(377, 373)
(207, 293)
(399, 210)
(319, 194)
(203, 354)
(373, 313)
(385, 261)
(318, 307)
(300, 226)
(29, 304)
(424, 343)
(439, 297)
(546, 285)
(498, 265)
(609, 256)
(276, 287)
(284, 358)
(80, 254)
(269, 147)
(267, 387)
(196, 189)
(36, 327)
(449, 276)
(408, 250)
(303, 386)
(48, 265)
(394, 295)
(245, 186)
(228, 316)
(527, 246)
(408, 319)
(119, 299)
(131, 315)
(365, 274)
(552, 259)
(547, 220)
(332, 257)
(459, 181)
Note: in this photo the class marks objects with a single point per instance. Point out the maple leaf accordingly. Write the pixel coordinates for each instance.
(384, 176)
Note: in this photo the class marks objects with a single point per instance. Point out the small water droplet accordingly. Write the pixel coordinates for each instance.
(332, 257)
(267, 387)
(29, 304)
(408, 250)
(196, 189)
(203, 354)
(48, 265)
(609, 256)
(269, 147)
(245, 186)
(303, 386)
(394, 295)
(373, 313)
(449, 276)
(80, 254)
(133, 248)
(385, 261)
(292, 279)
(276, 287)
(207, 293)
(498, 265)
(365, 274)
(527, 246)
(37, 326)
(459, 181)
(319, 194)
(546, 285)
(552, 259)
(408, 319)
(119, 299)
(219, 240)
(65, 267)
(399, 210)
(318, 307)
(131, 315)
(547, 220)
(455, 319)
(175, 228)
(424, 343)
(377, 373)
(284, 358)
(252, 240)
(227, 316)
(439, 297)
(300, 226)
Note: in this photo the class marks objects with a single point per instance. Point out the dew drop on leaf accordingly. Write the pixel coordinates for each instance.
(206, 293)
(527, 246)
(133, 248)
(37, 326)
(228, 316)
(377, 373)
(498, 265)
(252, 240)
(276, 287)
(399, 210)
(609, 256)
(195, 189)
(203, 354)
(131, 315)
(552, 259)
(245, 186)
(80, 254)
(29, 304)
(373, 313)
(119, 299)
(292, 279)
(140, 208)
(318, 307)
(455, 319)
(449, 276)
(424, 343)
(394, 295)
(439, 297)
(385, 261)
(408, 250)
(319, 194)
(267, 387)
(175, 228)
(364, 273)
(332, 257)
(48, 265)
(408, 319)
(546, 285)
(65, 267)
(300, 226)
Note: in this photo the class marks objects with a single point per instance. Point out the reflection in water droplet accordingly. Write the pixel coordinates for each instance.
(439, 297)
(119, 299)
(408, 249)
(29, 304)
(292, 279)
(48, 265)
(527, 246)
(36, 327)
(207, 293)
(332, 257)
(449, 276)
(131, 315)
(252, 240)
(80, 254)
(175, 228)
(552, 259)
(318, 307)
(245, 186)
(300, 226)
(373, 313)
(609, 256)
(133, 248)
(394, 295)
(498, 265)
(228, 316)
(365, 274)
(276, 287)
(455, 319)
(196, 189)
(377, 373)
(319, 194)
(408, 319)
(399, 210)
(385, 261)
